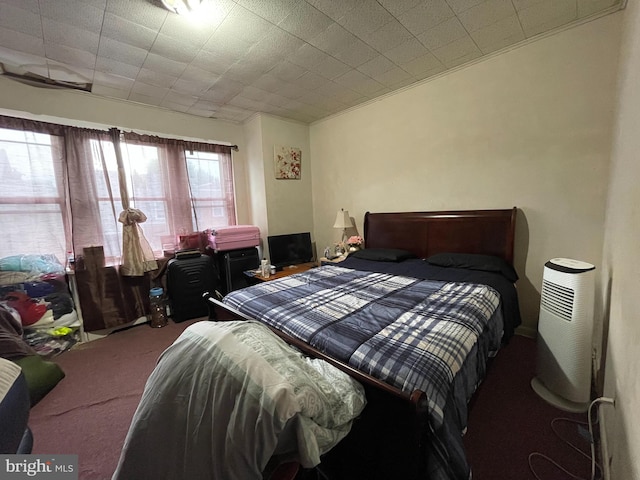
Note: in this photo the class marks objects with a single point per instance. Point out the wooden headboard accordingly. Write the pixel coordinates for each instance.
(488, 232)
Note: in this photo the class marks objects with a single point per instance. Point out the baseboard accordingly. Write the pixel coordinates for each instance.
(526, 332)
(604, 445)
(98, 334)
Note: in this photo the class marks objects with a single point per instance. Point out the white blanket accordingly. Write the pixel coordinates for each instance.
(226, 397)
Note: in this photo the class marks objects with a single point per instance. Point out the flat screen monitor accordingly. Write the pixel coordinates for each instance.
(290, 249)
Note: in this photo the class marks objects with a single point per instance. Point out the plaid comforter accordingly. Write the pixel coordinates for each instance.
(410, 333)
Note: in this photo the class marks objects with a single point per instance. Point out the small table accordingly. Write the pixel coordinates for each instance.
(255, 277)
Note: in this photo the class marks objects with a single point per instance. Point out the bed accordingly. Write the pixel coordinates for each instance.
(414, 317)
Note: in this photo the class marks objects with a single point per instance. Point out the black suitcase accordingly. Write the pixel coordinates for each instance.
(187, 280)
(233, 264)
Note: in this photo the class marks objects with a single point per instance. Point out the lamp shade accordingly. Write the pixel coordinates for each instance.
(343, 220)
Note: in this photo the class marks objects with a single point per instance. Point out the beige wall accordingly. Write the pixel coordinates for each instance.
(529, 128)
(621, 264)
(278, 206)
(81, 109)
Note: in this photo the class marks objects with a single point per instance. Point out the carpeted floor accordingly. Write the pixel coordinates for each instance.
(89, 412)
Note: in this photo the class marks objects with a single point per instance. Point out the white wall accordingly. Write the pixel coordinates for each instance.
(82, 109)
(621, 269)
(529, 128)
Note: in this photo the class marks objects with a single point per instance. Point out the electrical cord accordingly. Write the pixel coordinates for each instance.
(591, 457)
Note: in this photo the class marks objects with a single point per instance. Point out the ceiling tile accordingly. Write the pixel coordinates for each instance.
(21, 42)
(425, 15)
(448, 31)
(459, 6)
(332, 39)
(76, 13)
(487, 13)
(173, 49)
(394, 77)
(213, 62)
(458, 52)
(388, 36)
(356, 53)
(287, 71)
(359, 82)
(147, 14)
(123, 30)
(20, 20)
(498, 35)
(193, 87)
(268, 83)
(31, 5)
(406, 52)
(121, 52)
(547, 15)
(164, 65)
(227, 45)
(377, 66)
(245, 25)
(274, 10)
(396, 7)
(180, 98)
(70, 36)
(155, 78)
(70, 56)
(310, 81)
(114, 67)
(244, 72)
(278, 43)
(330, 68)
(113, 81)
(334, 9)
(365, 18)
(422, 66)
(305, 22)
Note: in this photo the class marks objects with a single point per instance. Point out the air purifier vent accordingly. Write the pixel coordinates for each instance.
(557, 299)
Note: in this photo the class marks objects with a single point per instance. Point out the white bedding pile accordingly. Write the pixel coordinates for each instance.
(226, 397)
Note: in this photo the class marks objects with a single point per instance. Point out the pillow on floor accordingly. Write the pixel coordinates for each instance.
(41, 375)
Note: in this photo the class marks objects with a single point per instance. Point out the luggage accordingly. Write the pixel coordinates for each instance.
(234, 237)
(232, 266)
(187, 279)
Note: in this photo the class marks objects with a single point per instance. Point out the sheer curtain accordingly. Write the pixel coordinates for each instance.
(33, 200)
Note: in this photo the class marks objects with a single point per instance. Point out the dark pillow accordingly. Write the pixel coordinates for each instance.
(383, 254)
(471, 261)
(41, 375)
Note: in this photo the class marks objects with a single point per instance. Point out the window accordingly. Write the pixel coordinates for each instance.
(211, 189)
(33, 210)
(50, 201)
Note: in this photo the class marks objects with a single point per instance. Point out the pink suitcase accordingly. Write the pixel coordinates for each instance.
(234, 237)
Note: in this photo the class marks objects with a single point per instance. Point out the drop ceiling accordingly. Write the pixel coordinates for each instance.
(301, 60)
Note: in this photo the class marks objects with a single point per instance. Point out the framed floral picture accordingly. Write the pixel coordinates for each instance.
(287, 162)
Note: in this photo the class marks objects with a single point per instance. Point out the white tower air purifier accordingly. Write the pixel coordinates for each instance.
(565, 330)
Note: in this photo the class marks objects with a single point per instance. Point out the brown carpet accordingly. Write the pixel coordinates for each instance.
(89, 412)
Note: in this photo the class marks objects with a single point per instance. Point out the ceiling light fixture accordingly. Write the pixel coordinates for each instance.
(182, 7)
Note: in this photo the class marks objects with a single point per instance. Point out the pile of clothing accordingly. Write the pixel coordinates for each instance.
(33, 288)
